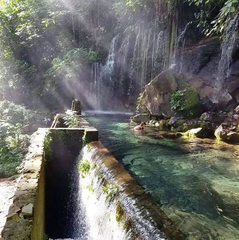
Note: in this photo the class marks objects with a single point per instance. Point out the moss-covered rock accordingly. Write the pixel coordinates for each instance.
(169, 93)
(157, 94)
(140, 118)
(185, 100)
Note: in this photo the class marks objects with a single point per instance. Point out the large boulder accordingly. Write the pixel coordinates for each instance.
(157, 94)
(139, 118)
(168, 92)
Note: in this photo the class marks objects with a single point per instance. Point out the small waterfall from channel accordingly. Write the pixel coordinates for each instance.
(90, 196)
(115, 207)
(224, 67)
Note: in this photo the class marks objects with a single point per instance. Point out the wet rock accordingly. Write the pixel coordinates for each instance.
(206, 116)
(163, 124)
(236, 116)
(193, 133)
(237, 109)
(13, 216)
(140, 118)
(232, 137)
(157, 94)
(173, 120)
(17, 230)
(220, 134)
(171, 135)
(207, 104)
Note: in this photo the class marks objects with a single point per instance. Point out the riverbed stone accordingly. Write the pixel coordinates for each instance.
(144, 117)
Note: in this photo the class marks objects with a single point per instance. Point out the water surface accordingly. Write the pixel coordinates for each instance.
(195, 182)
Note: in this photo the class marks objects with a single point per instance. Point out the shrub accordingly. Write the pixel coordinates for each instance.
(17, 114)
(186, 102)
(71, 119)
(13, 146)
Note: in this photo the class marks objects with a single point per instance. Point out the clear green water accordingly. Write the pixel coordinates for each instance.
(195, 182)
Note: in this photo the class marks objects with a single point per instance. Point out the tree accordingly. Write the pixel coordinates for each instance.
(215, 15)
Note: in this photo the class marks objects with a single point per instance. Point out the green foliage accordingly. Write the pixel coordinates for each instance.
(110, 190)
(71, 119)
(186, 102)
(18, 114)
(177, 101)
(226, 10)
(13, 146)
(139, 102)
(89, 187)
(84, 167)
(119, 213)
(48, 148)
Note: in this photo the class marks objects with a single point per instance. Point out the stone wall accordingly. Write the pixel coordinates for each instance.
(26, 216)
(25, 219)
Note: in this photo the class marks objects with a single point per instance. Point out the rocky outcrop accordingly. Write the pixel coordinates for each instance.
(201, 63)
(144, 117)
(157, 96)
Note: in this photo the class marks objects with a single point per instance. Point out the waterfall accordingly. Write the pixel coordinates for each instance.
(102, 77)
(115, 207)
(122, 62)
(96, 84)
(224, 67)
(178, 55)
(109, 66)
(136, 56)
(101, 213)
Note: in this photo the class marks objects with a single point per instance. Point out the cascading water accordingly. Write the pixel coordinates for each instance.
(101, 214)
(109, 66)
(122, 62)
(224, 67)
(116, 208)
(178, 55)
(95, 84)
(135, 57)
(103, 78)
(92, 197)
